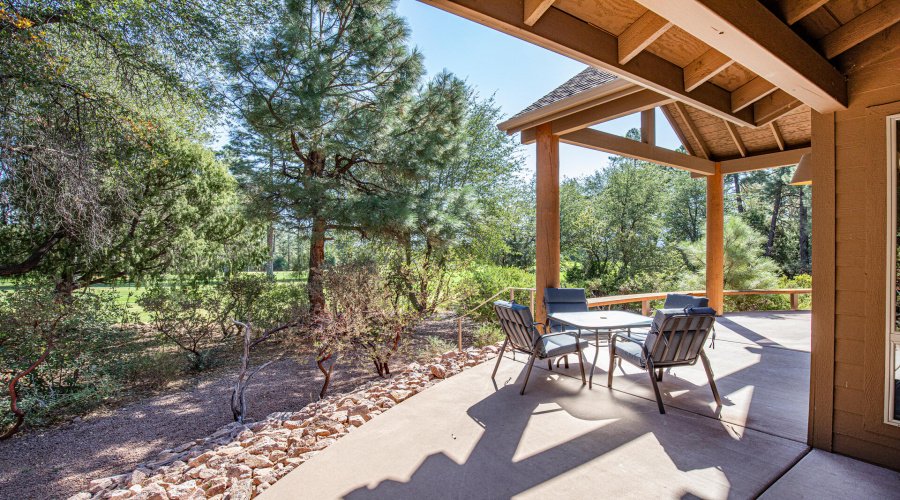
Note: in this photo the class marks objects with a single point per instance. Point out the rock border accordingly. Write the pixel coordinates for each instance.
(240, 461)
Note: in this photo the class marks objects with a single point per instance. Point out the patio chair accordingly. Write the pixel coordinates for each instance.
(676, 338)
(558, 300)
(678, 301)
(522, 335)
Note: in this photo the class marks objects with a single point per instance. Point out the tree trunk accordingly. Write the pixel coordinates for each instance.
(270, 241)
(770, 245)
(804, 236)
(315, 284)
(737, 192)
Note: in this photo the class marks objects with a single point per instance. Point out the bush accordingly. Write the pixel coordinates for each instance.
(74, 340)
(188, 317)
(435, 346)
(488, 334)
(486, 280)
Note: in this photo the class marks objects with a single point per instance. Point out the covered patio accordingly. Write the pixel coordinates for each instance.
(473, 437)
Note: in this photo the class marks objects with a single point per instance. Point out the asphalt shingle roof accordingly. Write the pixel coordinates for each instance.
(586, 80)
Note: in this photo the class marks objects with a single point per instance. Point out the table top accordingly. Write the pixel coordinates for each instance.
(602, 320)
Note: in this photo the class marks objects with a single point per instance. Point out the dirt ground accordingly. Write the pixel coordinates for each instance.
(59, 462)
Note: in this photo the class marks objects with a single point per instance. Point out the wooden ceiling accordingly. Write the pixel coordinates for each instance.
(742, 75)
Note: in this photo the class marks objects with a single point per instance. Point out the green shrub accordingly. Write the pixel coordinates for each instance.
(488, 334)
(80, 334)
(486, 280)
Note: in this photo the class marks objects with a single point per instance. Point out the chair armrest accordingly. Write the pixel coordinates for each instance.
(626, 337)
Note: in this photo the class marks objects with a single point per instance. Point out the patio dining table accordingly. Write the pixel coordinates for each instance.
(603, 324)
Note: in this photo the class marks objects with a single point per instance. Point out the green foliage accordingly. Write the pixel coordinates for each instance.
(485, 280)
(488, 334)
(82, 338)
(745, 266)
(187, 316)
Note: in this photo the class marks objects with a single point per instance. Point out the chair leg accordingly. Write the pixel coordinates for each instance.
(528, 373)
(659, 403)
(659, 375)
(499, 357)
(709, 375)
(566, 359)
(550, 364)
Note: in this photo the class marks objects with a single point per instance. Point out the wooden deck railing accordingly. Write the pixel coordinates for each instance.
(643, 298)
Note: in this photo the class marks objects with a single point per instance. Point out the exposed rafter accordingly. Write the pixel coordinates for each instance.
(736, 137)
(779, 139)
(792, 11)
(640, 34)
(773, 107)
(534, 9)
(705, 67)
(677, 129)
(692, 129)
(601, 141)
(754, 37)
(860, 28)
(750, 92)
(572, 37)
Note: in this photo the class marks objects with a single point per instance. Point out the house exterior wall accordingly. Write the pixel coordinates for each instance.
(850, 218)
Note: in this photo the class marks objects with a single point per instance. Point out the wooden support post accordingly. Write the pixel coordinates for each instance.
(715, 240)
(547, 237)
(648, 126)
(795, 301)
(512, 295)
(645, 307)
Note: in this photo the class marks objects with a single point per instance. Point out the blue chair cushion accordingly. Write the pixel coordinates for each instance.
(558, 345)
(678, 301)
(631, 352)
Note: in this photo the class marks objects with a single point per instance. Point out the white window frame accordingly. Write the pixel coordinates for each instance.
(892, 338)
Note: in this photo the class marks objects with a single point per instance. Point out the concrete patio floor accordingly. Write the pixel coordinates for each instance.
(473, 437)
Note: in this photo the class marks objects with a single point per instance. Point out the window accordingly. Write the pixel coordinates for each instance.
(892, 378)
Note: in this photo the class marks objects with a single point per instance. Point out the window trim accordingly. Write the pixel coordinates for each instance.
(892, 339)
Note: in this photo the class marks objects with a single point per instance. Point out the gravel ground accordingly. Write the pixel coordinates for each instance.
(60, 462)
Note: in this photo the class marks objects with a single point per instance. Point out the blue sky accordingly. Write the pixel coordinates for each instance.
(517, 72)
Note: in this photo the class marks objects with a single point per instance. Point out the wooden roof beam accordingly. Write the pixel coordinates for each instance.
(579, 40)
(794, 10)
(709, 64)
(750, 92)
(736, 137)
(637, 102)
(534, 9)
(753, 36)
(640, 34)
(601, 141)
(869, 23)
(692, 129)
(779, 139)
(773, 107)
(678, 132)
(764, 161)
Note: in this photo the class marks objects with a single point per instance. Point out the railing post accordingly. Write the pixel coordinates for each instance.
(645, 307)
(533, 314)
(795, 301)
(459, 322)
(512, 295)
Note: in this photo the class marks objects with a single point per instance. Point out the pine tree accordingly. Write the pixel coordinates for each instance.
(338, 88)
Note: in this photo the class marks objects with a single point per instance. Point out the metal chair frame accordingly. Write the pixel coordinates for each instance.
(524, 337)
(684, 355)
